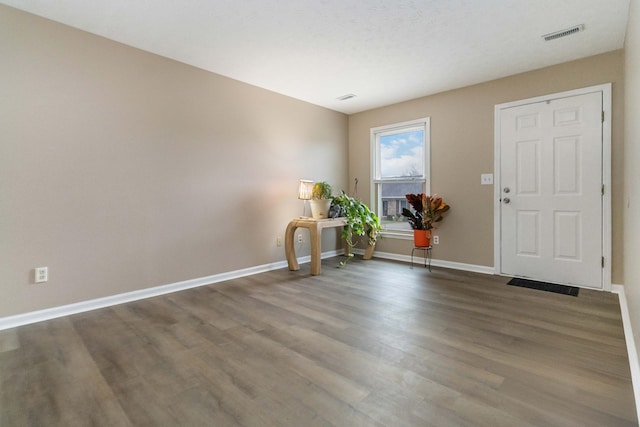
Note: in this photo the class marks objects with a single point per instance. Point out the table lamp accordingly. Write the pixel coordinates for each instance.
(304, 193)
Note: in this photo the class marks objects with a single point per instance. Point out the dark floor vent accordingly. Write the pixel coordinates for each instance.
(544, 286)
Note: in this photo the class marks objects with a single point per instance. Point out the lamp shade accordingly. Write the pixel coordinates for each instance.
(305, 189)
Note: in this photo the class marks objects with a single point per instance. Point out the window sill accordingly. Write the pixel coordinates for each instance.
(401, 235)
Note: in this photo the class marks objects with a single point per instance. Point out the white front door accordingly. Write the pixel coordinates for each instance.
(551, 177)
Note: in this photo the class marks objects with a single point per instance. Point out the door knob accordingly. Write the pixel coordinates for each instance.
(507, 189)
(506, 200)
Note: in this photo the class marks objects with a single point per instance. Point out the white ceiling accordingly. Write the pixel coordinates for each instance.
(384, 51)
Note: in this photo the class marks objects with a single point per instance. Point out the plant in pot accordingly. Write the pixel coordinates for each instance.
(320, 200)
(360, 221)
(427, 210)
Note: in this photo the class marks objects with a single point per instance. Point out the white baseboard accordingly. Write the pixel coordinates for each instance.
(434, 262)
(80, 307)
(632, 353)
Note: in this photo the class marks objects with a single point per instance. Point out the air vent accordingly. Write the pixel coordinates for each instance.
(563, 33)
(345, 97)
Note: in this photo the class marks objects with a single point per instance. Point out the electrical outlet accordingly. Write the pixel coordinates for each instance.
(299, 238)
(42, 274)
(436, 240)
(278, 241)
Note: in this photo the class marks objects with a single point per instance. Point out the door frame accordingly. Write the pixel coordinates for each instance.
(606, 174)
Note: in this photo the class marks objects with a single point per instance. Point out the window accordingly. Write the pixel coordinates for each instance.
(400, 165)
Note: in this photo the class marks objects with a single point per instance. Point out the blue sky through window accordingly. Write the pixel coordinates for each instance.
(402, 154)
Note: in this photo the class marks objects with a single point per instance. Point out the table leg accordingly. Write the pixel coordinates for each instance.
(316, 249)
(289, 247)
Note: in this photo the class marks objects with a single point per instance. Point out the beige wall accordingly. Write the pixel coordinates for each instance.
(122, 170)
(632, 170)
(462, 146)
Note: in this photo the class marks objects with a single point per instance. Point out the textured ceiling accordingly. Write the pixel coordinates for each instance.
(384, 51)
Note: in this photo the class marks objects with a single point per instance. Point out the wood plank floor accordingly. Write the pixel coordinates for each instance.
(374, 344)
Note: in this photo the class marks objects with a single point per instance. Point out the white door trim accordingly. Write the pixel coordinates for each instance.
(606, 173)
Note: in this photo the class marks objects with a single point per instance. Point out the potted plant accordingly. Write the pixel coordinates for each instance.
(427, 210)
(320, 200)
(360, 220)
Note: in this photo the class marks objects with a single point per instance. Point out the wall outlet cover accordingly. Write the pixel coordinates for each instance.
(42, 274)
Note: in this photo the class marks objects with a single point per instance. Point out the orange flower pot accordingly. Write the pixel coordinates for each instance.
(422, 238)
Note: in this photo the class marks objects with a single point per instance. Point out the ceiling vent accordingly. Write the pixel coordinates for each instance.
(345, 97)
(563, 33)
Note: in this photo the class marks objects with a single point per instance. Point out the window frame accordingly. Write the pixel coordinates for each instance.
(376, 179)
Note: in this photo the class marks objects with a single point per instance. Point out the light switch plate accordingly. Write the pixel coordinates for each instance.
(486, 179)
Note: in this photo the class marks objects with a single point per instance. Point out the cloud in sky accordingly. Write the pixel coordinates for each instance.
(401, 154)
